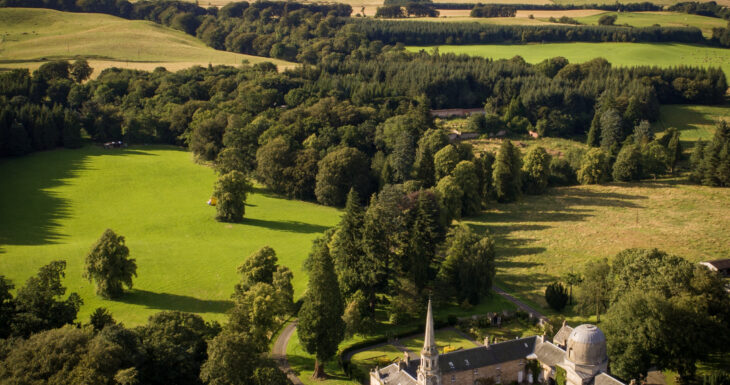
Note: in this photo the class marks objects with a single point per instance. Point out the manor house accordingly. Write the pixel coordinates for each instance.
(579, 353)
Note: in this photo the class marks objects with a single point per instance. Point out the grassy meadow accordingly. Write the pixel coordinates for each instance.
(694, 122)
(56, 204)
(619, 54)
(540, 238)
(665, 19)
(31, 37)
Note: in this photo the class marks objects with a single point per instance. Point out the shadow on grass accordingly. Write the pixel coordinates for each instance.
(683, 118)
(289, 226)
(166, 301)
(31, 211)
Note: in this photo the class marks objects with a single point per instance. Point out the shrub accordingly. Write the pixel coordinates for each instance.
(556, 296)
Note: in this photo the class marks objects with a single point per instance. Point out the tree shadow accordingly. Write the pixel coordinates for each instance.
(31, 210)
(166, 301)
(289, 226)
(690, 119)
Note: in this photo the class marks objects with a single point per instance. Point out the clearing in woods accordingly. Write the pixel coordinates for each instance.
(34, 36)
(56, 204)
(619, 54)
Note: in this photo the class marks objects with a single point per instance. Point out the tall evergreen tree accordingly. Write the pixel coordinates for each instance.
(321, 327)
(484, 165)
(422, 243)
(507, 173)
(674, 148)
(355, 271)
(611, 130)
(594, 134)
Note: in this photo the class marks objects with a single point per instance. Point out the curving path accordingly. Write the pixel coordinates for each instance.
(523, 306)
(278, 353)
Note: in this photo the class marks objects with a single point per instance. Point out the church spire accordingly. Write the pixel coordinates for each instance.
(429, 341)
(428, 371)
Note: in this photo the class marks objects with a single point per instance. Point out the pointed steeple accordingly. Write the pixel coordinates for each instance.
(429, 340)
(428, 371)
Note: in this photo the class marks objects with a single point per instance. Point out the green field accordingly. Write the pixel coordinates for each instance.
(694, 122)
(55, 204)
(665, 19)
(540, 238)
(32, 36)
(586, 16)
(619, 54)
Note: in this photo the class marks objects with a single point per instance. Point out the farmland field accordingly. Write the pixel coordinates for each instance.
(33, 36)
(619, 54)
(665, 19)
(540, 238)
(58, 203)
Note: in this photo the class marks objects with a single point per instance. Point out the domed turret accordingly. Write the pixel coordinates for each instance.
(587, 346)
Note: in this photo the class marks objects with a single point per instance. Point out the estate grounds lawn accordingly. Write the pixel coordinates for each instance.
(56, 204)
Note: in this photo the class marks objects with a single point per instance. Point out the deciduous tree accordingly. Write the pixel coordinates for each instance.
(108, 264)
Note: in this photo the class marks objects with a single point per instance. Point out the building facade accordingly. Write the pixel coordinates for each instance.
(580, 352)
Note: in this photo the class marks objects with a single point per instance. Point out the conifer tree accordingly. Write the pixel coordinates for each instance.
(507, 173)
(611, 130)
(348, 255)
(484, 165)
(321, 327)
(422, 243)
(695, 161)
(594, 134)
(674, 148)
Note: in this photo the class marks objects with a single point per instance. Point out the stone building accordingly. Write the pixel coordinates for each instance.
(579, 352)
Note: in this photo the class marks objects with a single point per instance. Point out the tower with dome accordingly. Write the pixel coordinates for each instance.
(580, 352)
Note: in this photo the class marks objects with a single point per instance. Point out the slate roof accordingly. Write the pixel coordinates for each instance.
(392, 376)
(481, 356)
(561, 338)
(605, 379)
(549, 354)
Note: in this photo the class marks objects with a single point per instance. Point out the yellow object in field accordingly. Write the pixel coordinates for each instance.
(212, 201)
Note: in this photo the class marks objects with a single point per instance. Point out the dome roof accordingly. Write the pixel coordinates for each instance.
(587, 345)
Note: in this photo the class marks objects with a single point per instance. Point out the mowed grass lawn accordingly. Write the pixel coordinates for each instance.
(619, 54)
(540, 238)
(56, 204)
(33, 36)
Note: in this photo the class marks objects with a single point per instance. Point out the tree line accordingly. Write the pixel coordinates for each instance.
(493, 10)
(427, 33)
(41, 343)
(617, 7)
(710, 8)
(315, 133)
